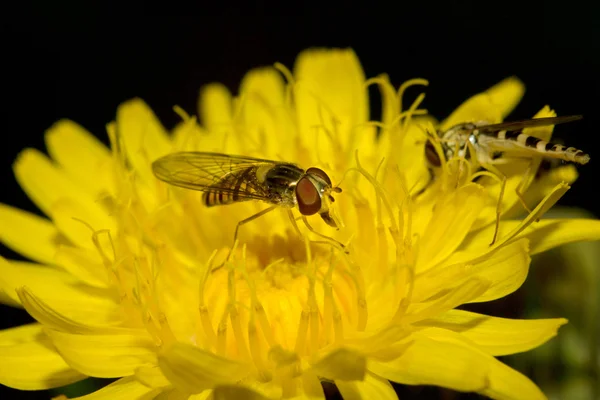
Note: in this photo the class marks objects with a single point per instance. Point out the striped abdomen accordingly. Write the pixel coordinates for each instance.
(234, 187)
(545, 148)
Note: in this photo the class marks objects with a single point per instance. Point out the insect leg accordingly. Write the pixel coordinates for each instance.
(520, 187)
(251, 218)
(237, 228)
(500, 175)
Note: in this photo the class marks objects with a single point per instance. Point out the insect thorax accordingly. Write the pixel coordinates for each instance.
(454, 140)
(281, 180)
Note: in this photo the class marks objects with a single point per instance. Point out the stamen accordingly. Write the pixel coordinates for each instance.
(302, 332)
(406, 85)
(328, 300)
(379, 192)
(291, 83)
(312, 302)
(256, 351)
(205, 318)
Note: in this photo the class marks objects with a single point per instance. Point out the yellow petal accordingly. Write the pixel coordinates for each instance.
(450, 223)
(232, 392)
(32, 236)
(105, 355)
(498, 336)
(29, 361)
(124, 389)
(551, 233)
(75, 221)
(60, 292)
(435, 362)
(443, 358)
(308, 387)
(492, 105)
(43, 182)
(331, 100)
(506, 94)
(151, 376)
(508, 230)
(476, 108)
(46, 185)
(193, 370)
(505, 269)
(448, 299)
(372, 387)
(144, 138)
(341, 364)
(84, 265)
(268, 132)
(81, 155)
(215, 109)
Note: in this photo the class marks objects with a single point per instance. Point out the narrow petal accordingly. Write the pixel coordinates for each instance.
(105, 356)
(233, 392)
(435, 362)
(342, 364)
(144, 138)
(60, 292)
(30, 362)
(84, 265)
(265, 116)
(468, 291)
(152, 376)
(551, 233)
(32, 236)
(81, 155)
(544, 235)
(476, 108)
(124, 389)
(308, 387)
(193, 370)
(45, 184)
(492, 105)
(449, 224)
(479, 240)
(330, 98)
(442, 358)
(215, 109)
(497, 336)
(506, 94)
(372, 387)
(75, 220)
(505, 269)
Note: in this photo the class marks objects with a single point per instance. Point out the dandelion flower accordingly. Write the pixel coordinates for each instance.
(134, 279)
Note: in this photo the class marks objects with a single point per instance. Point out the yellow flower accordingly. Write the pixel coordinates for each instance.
(132, 278)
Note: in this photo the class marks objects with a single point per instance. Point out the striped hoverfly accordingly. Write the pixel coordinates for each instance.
(497, 144)
(227, 179)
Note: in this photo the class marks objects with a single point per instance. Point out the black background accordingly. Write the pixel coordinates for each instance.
(83, 67)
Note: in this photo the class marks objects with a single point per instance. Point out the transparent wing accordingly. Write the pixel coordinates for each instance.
(528, 123)
(209, 172)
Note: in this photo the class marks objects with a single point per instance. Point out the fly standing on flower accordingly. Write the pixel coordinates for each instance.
(227, 179)
(497, 144)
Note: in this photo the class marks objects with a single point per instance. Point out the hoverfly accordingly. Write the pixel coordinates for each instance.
(226, 179)
(495, 144)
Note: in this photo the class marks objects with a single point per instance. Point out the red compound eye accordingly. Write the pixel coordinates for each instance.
(309, 200)
(320, 173)
(432, 156)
